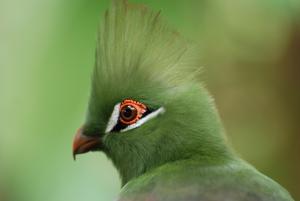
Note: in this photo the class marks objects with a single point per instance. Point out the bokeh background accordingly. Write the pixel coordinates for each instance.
(251, 60)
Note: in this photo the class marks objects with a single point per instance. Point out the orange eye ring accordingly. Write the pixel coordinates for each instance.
(131, 111)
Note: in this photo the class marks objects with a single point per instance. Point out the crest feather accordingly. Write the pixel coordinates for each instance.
(135, 45)
(138, 56)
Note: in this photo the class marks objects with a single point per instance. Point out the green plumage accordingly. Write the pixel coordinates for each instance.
(182, 154)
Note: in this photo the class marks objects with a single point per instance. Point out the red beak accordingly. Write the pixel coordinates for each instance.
(83, 143)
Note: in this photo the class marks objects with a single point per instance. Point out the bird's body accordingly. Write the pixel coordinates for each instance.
(152, 117)
(190, 180)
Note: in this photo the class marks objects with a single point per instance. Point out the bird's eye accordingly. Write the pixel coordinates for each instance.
(130, 114)
(131, 111)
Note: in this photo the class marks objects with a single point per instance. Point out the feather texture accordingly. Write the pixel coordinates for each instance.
(134, 41)
(135, 47)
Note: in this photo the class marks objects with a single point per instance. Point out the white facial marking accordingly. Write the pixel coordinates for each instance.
(145, 119)
(113, 120)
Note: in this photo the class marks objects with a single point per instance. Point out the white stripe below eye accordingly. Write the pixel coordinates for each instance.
(113, 118)
(145, 119)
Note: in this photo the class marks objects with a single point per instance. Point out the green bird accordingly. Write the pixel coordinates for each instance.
(157, 123)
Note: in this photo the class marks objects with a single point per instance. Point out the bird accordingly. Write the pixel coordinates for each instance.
(158, 124)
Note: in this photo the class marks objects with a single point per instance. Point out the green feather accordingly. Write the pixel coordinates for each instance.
(139, 56)
(182, 154)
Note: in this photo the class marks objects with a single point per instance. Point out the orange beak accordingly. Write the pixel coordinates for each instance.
(83, 143)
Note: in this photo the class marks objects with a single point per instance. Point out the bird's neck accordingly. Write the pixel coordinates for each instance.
(212, 154)
(218, 158)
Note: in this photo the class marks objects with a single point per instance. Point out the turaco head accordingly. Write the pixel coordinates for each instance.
(147, 107)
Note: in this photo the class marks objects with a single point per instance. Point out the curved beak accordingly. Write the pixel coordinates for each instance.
(83, 143)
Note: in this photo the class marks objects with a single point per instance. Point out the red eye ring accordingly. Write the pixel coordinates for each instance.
(131, 111)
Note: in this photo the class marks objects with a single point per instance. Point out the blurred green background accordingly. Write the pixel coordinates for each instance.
(251, 57)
